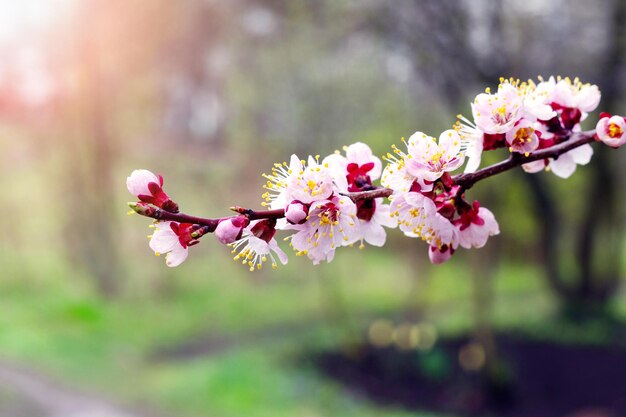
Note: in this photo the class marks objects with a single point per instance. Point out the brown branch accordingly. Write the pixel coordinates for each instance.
(258, 215)
(577, 139)
(148, 210)
(369, 195)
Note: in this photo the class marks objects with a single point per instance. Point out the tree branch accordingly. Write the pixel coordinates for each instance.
(258, 215)
(577, 139)
(464, 180)
(369, 195)
(148, 210)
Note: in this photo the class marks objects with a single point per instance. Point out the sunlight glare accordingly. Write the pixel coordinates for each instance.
(19, 18)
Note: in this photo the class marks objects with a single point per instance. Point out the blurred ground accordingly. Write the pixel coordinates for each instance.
(26, 393)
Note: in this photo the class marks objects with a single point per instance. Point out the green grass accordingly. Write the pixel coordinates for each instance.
(53, 320)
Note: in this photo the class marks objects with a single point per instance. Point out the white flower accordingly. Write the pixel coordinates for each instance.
(575, 94)
(331, 223)
(498, 113)
(428, 160)
(475, 226)
(471, 142)
(300, 180)
(522, 138)
(172, 239)
(372, 231)
(418, 217)
(565, 165)
(410, 211)
(536, 101)
(355, 172)
(358, 168)
(395, 175)
(441, 232)
(257, 245)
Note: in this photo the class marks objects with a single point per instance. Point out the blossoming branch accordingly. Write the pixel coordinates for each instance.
(322, 205)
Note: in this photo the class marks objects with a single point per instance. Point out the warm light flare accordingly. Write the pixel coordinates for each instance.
(28, 42)
(19, 19)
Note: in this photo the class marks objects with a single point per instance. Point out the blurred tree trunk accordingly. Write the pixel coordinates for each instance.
(437, 35)
(196, 63)
(599, 238)
(90, 197)
(598, 231)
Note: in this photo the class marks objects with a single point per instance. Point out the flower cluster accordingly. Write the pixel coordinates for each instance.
(428, 204)
(324, 204)
(317, 208)
(526, 117)
(254, 240)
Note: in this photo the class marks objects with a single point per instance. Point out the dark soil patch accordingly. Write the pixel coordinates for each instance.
(541, 379)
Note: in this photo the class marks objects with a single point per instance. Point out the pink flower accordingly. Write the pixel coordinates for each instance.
(428, 160)
(410, 210)
(417, 216)
(230, 229)
(475, 226)
(565, 165)
(331, 224)
(314, 183)
(441, 233)
(442, 237)
(371, 230)
(279, 181)
(300, 180)
(355, 172)
(522, 138)
(536, 103)
(570, 100)
(574, 94)
(148, 187)
(395, 174)
(173, 239)
(611, 130)
(359, 166)
(498, 113)
(257, 244)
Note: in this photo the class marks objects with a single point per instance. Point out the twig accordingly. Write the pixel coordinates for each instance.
(577, 139)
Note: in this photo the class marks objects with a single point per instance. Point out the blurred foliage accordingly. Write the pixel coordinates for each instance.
(210, 94)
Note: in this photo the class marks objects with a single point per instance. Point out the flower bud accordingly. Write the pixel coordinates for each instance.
(138, 183)
(141, 208)
(440, 255)
(296, 212)
(611, 130)
(230, 229)
(148, 188)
